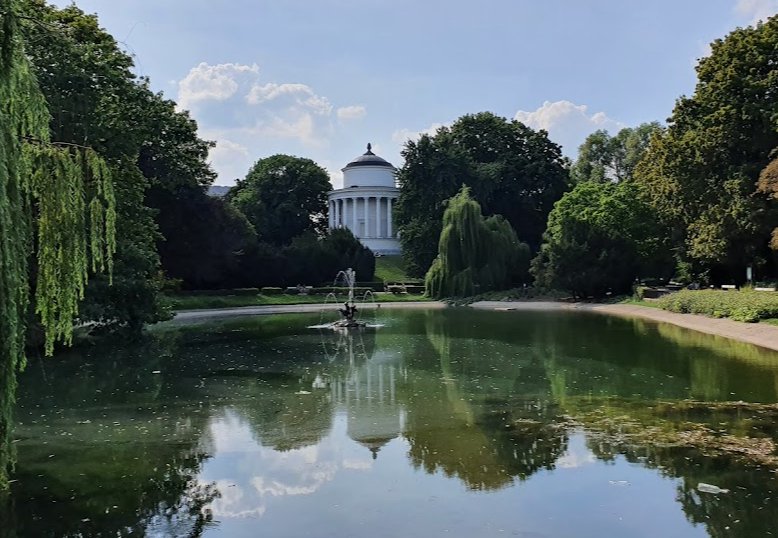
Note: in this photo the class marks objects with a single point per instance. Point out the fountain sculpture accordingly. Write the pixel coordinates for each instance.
(349, 311)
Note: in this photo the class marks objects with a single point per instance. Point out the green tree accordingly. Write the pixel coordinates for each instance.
(57, 197)
(283, 197)
(701, 174)
(768, 184)
(208, 251)
(475, 254)
(511, 169)
(96, 100)
(600, 238)
(612, 158)
(312, 259)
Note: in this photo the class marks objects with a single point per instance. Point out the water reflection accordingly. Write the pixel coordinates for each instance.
(472, 423)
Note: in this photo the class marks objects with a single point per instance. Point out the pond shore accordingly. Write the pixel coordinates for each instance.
(759, 334)
(206, 313)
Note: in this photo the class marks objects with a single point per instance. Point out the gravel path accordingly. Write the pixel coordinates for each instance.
(760, 334)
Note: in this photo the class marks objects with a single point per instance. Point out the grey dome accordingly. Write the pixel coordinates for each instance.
(369, 159)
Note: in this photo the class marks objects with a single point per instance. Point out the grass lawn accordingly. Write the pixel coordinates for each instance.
(639, 302)
(390, 269)
(198, 302)
(771, 321)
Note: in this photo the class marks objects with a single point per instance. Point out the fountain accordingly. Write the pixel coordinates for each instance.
(349, 311)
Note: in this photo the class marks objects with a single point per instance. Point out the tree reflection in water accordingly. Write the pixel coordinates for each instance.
(116, 441)
(99, 455)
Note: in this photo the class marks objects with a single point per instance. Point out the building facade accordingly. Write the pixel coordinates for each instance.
(364, 205)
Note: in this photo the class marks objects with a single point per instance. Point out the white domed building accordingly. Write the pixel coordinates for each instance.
(364, 204)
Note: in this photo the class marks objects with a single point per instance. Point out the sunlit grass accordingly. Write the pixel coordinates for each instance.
(391, 269)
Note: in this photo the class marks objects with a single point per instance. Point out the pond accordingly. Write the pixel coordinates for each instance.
(449, 422)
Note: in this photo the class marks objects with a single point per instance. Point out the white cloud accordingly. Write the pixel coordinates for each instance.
(401, 136)
(302, 95)
(756, 10)
(226, 149)
(353, 112)
(231, 159)
(250, 117)
(567, 124)
(300, 126)
(207, 82)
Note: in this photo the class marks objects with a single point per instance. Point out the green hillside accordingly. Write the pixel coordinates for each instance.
(390, 269)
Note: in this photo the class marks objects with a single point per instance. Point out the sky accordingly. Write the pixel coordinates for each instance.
(322, 78)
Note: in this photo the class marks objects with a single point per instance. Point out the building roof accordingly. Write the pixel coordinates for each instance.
(369, 159)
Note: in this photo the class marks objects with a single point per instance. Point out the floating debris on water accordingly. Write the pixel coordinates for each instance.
(710, 488)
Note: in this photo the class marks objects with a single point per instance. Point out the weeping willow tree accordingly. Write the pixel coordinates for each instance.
(475, 254)
(57, 221)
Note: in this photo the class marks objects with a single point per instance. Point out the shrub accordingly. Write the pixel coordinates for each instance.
(243, 292)
(324, 290)
(271, 291)
(375, 286)
(748, 306)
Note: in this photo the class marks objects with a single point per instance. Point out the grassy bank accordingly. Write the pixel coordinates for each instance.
(391, 269)
(198, 302)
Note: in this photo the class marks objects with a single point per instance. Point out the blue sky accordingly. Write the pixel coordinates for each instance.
(321, 78)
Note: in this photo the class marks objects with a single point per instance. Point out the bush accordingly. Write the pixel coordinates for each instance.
(324, 290)
(375, 286)
(243, 292)
(748, 306)
(640, 292)
(271, 291)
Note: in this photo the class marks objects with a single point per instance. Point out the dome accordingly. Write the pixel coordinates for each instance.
(369, 159)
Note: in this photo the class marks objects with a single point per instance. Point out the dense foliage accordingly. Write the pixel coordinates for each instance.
(511, 170)
(475, 254)
(612, 158)
(210, 240)
(283, 197)
(95, 100)
(746, 305)
(318, 259)
(600, 238)
(700, 175)
(56, 197)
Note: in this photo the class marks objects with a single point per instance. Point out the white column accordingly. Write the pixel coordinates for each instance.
(337, 213)
(367, 222)
(354, 216)
(389, 218)
(330, 213)
(378, 216)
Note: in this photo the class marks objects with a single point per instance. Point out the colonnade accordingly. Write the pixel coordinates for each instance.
(376, 216)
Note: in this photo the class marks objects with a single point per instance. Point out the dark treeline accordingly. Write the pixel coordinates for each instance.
(103, 198)
(268, 232)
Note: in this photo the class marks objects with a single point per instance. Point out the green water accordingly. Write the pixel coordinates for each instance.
(439, 423)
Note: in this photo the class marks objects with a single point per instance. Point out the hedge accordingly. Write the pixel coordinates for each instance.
(745, 305)
(243, 292)
(271, 291)
(324, 290)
